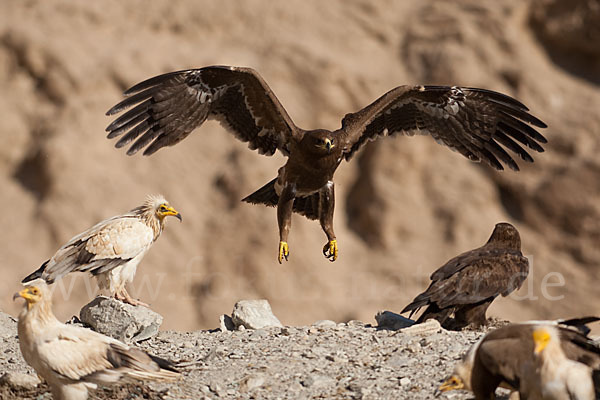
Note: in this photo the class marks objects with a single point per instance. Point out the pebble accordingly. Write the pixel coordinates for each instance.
(325, 323)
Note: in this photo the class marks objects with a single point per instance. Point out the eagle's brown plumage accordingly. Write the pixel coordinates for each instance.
(467, 284)
(480, 124)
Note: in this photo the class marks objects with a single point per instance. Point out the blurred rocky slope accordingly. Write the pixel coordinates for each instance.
(404, 206)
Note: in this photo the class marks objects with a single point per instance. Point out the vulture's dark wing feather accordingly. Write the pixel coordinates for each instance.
(477, 123)
(165, 109)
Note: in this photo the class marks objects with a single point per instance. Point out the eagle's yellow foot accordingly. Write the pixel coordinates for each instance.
(330, 250)
(284, 251)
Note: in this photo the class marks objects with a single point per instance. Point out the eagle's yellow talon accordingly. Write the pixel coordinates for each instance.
(330, 250)
(284, 251)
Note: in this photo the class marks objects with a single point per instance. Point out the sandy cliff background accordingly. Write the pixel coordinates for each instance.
(404, 205)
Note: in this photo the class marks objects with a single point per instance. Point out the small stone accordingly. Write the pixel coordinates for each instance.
(317, 381)
(413, 347)
(426, 328)
(259, 334)
(254, 314)
(325, 323)
(355, 323)
(252, 382)
(18, 380)
(119, 320)
(392, 321)
(404, 381)
(226, 323)
(216, 389)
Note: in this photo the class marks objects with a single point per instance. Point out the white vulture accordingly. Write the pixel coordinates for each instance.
(73, 359)
(112, 249)
(552, 375)
(504, 356)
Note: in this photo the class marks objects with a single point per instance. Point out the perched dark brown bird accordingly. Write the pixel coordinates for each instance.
(467, 284)
(479, 124)
(509, 357)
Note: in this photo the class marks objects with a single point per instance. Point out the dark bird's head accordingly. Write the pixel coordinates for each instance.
(506, 235)
(319, 141)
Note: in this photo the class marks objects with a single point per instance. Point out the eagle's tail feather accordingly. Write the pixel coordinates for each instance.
(35, 274)
(265, 195)
(307, 206)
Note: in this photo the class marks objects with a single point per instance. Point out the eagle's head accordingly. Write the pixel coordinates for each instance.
(319, 141)
(506, 235)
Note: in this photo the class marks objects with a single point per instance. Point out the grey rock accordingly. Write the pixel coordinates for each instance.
(254, 314)
(119, 320)
(404, 381)
(226, 323)
(426, 328)
(19, 380)
(392, 321)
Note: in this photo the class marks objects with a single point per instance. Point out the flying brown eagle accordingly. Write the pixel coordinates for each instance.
(479, 124)
(510, 357)
(467, 284)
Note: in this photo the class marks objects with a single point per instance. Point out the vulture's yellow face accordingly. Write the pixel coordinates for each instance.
(541, 338)
(31, 294)
(164, 210)
(452, 383)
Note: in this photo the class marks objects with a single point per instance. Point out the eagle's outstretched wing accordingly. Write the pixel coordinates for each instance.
(477, 123)
(168, 107)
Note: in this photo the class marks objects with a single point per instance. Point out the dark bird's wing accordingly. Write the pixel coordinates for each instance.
(579, 347)
(474, 276)
(480, 124)
(168, 107)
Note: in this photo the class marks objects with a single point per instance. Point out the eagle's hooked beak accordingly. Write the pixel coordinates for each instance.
(329, 145)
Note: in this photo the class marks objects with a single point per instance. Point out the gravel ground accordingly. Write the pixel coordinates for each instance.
(326, 360)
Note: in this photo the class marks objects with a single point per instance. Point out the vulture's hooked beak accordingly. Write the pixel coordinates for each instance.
(167, 210)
